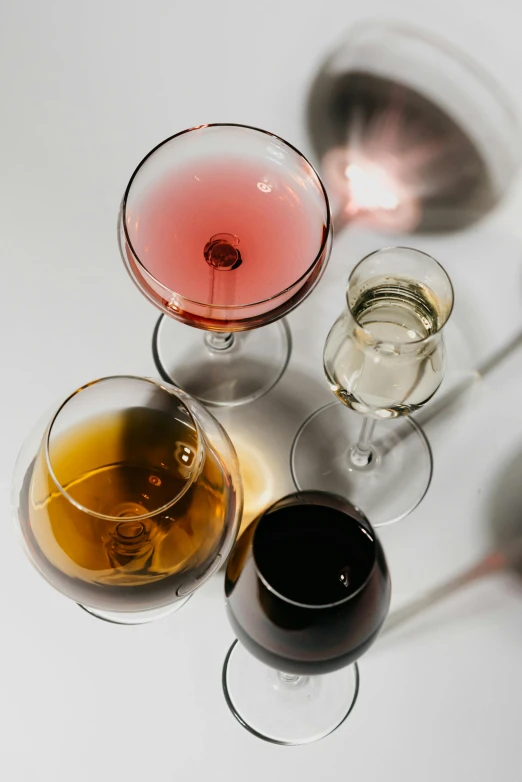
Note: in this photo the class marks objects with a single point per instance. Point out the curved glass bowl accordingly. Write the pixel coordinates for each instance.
(308, 590)
(271, 169)
(225, 228)
(384, 358)
(128, 497)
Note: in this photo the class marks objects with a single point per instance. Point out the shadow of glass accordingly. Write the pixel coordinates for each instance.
(505, 514)
(263, 432)
(504, 507)
(397, 120)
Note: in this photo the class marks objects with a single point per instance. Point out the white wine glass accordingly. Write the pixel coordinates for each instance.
(384, 358)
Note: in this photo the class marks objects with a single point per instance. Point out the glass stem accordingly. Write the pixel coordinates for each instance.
(218, 341)
(361, 454)
(292, 679)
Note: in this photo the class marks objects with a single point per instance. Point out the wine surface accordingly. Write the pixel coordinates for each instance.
(128, 466)
(226, 231)
(376, 361)
(307, 586)
(312, 555)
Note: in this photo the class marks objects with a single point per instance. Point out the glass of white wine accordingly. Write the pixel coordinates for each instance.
(384, 358)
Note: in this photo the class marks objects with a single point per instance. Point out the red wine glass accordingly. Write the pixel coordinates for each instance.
(307, 590)
(225, 228)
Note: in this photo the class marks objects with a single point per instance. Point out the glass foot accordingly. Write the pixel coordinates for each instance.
(136, 617)
(217, 369)
(389, 487)
(286, 709)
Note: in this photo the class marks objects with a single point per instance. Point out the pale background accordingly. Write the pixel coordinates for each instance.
(86, 88)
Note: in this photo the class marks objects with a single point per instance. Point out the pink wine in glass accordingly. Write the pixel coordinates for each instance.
(225, 243)
(226, 228)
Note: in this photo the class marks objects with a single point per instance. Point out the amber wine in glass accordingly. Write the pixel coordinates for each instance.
(131, 499)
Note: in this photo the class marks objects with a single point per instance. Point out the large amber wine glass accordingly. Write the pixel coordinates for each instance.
(128, 498)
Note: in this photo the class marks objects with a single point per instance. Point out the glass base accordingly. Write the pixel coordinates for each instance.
(136, 617)
(232, 372)
(389, 487)
(285, 709)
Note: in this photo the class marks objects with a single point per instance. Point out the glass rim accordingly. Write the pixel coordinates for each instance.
(451, 50)
(180, 297)
(416, 252)
(104, 516)
(317, 606)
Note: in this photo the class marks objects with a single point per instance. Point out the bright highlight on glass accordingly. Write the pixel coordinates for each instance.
(412, 134)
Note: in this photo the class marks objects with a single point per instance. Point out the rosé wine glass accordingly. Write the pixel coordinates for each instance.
(225, 228)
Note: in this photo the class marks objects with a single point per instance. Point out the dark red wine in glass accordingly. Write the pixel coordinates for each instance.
(225, 228)
(307, 590)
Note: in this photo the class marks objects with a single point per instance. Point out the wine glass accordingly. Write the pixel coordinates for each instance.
(128, 498)
(307, 590)
(225, 228)
(412, 134)
(384, 358)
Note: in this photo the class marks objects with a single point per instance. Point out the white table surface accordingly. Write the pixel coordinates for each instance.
(86, 88)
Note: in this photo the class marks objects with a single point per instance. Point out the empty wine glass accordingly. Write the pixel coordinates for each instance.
(128, 498)
(307, 590)
(384, 358)
(411, 134)
(225, 228)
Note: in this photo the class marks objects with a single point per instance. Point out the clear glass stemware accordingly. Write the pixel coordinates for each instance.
(384, 358)
(128, 497)
(225, 228)
(308, 590)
